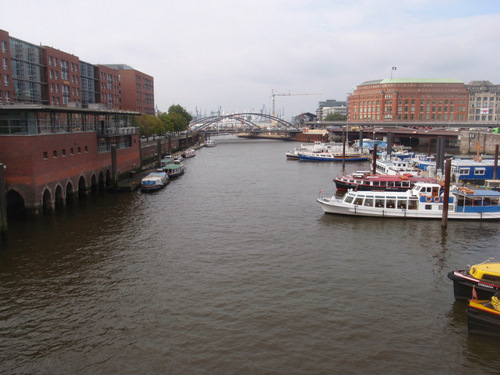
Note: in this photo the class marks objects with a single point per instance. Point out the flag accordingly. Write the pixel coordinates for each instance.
(394, 68)
(474, 293)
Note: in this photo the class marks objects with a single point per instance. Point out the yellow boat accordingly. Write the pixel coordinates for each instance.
(484, 277)
(483, 316)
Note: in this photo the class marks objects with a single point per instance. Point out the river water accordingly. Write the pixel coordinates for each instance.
(234, 269)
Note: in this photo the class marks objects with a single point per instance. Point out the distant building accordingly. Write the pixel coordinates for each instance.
(484, 101)
(409, 100)
(330, 106)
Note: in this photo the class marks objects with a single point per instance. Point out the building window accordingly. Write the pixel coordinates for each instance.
(79, 150)
(6, 80)
(71, 151)
(5, 63)
(45, 155)
(63, 152)
(4, 47)
(86, 148)
(54, 153)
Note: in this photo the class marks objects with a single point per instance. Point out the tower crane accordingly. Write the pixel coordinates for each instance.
(274, 94)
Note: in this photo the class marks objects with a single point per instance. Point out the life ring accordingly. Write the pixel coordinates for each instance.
(437, 199)
(428, 199)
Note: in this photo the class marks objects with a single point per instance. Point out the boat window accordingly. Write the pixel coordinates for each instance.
(390, 203)
(368, 202)
(376, 183)
(428, 207)
(413, 204)
(358, 201)
(402, 203)
(379, 202)
(479, 171)
(488, 277)
(348, 199)
(464, 171)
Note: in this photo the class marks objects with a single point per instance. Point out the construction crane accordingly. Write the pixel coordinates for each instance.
(274, 94)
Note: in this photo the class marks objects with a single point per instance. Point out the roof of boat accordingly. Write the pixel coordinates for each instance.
(477, 193)
(490, 268)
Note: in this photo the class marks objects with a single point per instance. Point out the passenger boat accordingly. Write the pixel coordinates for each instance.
(330, 156)
(189, 153)
(483, 277)
(210, 143)
(483, 316)
(174, 169)
(365, 180)
(154, 181)
(316, 147)
(423, 201)
(395, 166)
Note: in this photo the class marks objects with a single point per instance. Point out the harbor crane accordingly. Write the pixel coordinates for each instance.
(274, 94)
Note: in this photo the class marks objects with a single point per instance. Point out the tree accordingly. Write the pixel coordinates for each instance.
(149, 125)
(177, 109)
(335, 117)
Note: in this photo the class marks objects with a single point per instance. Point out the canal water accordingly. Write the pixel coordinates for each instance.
(234, 269)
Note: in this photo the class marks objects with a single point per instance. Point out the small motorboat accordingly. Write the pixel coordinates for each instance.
(483, 277)
(210, 143)
(483, 316)
(174, 169)
(154, 181)
(189, 153)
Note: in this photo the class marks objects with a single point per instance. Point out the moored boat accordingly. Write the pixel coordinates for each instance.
(423, 201)
(365, 180)
(483, 316)
(189, 153)
(174, 169)
(154, 181)
(484, 278)
(210, 143)
(394, 166)
(330, 156)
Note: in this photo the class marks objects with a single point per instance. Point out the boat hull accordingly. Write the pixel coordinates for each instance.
(463, 283)
(336, 206)
(332, 158)
(483, 319)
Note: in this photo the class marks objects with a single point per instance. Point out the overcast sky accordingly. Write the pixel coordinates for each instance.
(232, 54)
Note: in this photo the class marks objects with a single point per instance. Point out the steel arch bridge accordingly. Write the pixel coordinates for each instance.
(245, 118)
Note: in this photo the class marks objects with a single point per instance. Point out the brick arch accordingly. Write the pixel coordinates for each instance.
(15, 203)
(59, 197)
(47, 201)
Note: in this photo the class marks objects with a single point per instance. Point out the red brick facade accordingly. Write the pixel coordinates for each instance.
(109, 87)
(412, 100)
(6, 87)
(63, 77)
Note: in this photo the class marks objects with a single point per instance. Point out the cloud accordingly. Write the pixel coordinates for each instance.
(233, 53)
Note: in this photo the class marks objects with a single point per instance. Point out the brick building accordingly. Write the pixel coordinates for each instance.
(137, 89)
(411, 100)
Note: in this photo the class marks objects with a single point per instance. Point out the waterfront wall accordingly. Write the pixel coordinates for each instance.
(44, 170)
(469, 142)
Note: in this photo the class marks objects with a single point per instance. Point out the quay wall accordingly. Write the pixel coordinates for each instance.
(469, 142)
(43, 168)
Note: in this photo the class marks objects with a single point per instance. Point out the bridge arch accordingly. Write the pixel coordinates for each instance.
(246, 118)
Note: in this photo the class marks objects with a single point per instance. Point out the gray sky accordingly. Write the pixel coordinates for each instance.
(232, 54)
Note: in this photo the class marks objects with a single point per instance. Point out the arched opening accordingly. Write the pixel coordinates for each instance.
(82, 188)
(69, 193)
(109, 183)
(15, 204)
(47, 201)
(93, 184)
(102, 183)
(59, 197)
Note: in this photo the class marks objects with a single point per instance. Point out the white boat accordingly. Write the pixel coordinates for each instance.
(332, 156)
(423, 201)
(315, 147)
(154, 181)
(396, 167)
(189, 153)
(210, 143)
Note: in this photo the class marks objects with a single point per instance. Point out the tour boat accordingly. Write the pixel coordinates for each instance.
(154, 181)
(483, 316)
(394, 166)
(423, 201)
(189, 153)
(315, 147)
(330, 156)
(483, 277)
(365, 180)
(174, 169)
(210, 143)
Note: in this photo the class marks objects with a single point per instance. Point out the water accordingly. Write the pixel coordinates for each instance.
(234, 269)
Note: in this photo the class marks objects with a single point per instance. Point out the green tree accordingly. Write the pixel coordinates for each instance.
(149, 125)
(177, 109)
(335, 117)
